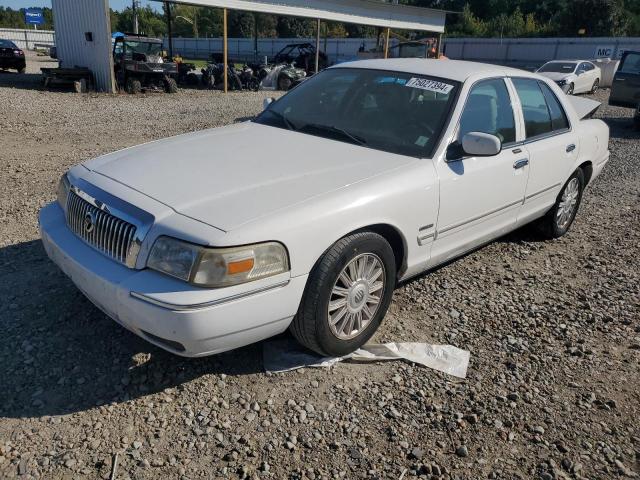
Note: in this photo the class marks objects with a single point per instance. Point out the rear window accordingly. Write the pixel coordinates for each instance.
(7, 44)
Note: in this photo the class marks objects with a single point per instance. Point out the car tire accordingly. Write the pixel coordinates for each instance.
(570, 89)
(559, 219)
(339, 296)
(134, 86)
(636, 118)
(284, 83)
(595, 86)
(170, 85)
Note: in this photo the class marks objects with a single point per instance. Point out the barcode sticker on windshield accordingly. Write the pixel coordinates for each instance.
(430, 85)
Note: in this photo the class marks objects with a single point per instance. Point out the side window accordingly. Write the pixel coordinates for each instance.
(537, 119)
(488, 110)
(558, 116)
(631, 63)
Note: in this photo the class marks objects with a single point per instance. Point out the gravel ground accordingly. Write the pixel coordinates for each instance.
(553, 329)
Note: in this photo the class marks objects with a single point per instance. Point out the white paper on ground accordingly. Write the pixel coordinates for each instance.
(283, 355)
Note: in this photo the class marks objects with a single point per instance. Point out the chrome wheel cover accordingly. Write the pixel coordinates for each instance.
(356, 296)
(568, 203)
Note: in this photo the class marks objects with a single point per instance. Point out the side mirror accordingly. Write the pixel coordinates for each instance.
(266, 102)
(478, 144)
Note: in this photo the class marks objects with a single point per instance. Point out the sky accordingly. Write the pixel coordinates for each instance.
(115, 4)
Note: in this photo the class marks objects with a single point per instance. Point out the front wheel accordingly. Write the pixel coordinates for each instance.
(134, 86)
(570, 90)
(595, 86)
(284, 83)
(170, 85)
(558, 220)
(347, 295)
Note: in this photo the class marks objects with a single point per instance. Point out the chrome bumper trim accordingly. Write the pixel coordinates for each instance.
(199, 306)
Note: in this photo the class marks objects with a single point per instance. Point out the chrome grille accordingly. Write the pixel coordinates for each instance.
(109, 234)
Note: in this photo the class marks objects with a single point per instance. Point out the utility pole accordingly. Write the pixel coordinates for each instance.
(134, 8)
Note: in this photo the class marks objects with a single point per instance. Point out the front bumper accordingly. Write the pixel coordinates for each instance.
(13, 62)
(183, 319)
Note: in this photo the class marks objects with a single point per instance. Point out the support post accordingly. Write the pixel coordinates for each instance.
(169, 29)
(225, 49)
(318, 46)
(386, 43)
(255, 37)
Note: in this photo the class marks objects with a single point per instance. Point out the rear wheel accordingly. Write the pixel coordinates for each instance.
(558, 220)
(134, 86)
(595, 86)
(170, 85)
(347, 295)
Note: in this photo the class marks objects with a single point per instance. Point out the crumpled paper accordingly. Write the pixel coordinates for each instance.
(285, 354)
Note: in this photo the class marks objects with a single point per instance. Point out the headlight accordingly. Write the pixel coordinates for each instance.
(217, 267)
(63, 191)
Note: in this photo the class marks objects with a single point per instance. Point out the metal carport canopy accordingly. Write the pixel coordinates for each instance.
(364, 12)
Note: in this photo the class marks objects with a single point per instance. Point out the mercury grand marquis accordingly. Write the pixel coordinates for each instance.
(306, 217)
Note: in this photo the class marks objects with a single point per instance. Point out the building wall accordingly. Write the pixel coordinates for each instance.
(73, 19)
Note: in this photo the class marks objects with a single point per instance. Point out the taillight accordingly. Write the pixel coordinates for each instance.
(18, 53)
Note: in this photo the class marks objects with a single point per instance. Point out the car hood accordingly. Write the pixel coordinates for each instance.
(228, 176)
(557, 76)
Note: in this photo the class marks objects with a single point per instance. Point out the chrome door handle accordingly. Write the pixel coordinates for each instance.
(571, 148)
(523, 162)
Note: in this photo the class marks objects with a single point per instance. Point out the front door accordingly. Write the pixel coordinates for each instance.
(480, 197)
(625, 90)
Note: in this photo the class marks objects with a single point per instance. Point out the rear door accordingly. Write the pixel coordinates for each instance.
(551, 144)
(625, 89)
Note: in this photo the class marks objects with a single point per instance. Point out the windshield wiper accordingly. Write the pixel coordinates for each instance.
(333, 129)
(284, 119)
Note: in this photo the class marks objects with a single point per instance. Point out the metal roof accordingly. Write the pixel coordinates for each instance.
(364, 12)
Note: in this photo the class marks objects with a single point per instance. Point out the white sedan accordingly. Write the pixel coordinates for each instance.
(573, 76)
(305, 218)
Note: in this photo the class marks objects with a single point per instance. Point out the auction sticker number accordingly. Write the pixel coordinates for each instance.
(430, 85)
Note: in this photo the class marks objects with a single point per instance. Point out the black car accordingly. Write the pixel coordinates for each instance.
(11, 56)
(303, 55)
(625, 89)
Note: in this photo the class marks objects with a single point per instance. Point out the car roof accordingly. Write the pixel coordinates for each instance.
(458, 70)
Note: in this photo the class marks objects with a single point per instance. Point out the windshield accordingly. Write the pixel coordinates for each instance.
(558, 67)
(143, 48)
(7, 44)
(395, 112)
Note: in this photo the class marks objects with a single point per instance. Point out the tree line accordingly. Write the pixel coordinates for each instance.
(473, 18)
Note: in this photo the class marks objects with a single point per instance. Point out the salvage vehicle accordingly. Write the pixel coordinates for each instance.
(625, 88)
(392, 167)
(11, 56)
(573, 76)
(139, 65)
(302, 55)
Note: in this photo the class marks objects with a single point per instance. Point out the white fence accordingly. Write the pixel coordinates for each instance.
(532, 52)
(243, 49)
(29, 39)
